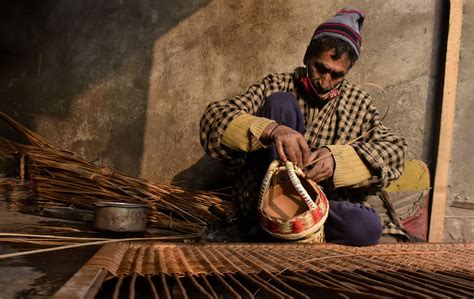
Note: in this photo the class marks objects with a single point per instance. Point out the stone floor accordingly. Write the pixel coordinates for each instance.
(459, 225)
(38, 275)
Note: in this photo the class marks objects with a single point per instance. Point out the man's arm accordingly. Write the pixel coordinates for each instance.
(230, 127)
(383, 152)
(380, 150)
(375, 160)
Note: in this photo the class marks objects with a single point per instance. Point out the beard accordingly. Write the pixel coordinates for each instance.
(320, 89)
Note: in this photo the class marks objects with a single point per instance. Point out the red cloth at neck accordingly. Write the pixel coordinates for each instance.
(309, 88)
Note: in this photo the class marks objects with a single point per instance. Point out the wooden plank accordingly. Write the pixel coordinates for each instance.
(83, 285)
(436, 232)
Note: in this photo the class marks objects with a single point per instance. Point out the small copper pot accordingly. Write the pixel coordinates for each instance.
(120, 217)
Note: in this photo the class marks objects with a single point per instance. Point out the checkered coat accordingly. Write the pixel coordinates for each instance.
(352, 114)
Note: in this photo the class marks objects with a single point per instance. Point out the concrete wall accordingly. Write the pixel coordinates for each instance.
(124, 83)
(78, 72)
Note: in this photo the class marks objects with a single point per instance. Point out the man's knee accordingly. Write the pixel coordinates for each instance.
(353, 224)
(283, 108)
(281, 100)
(279, 104)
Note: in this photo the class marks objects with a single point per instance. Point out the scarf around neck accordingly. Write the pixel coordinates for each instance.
(310, 90)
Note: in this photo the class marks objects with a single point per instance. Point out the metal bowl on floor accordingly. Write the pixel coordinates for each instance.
(120, 216)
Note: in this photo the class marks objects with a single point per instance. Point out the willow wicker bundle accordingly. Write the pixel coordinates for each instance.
(15, 192)
(61, 178)
(288, 270)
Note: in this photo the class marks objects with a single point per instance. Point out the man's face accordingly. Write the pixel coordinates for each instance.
(326, 73)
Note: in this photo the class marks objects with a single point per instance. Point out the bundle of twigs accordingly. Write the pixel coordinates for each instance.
(61, 178)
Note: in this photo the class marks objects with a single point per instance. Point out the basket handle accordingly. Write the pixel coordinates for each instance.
(266, 182)
(293, 173)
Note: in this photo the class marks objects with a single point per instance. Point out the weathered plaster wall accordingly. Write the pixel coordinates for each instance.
(221, 49)
(78, 72)
(459, 224)
(125, 82)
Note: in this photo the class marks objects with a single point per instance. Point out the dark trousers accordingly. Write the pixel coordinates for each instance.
(347, 223)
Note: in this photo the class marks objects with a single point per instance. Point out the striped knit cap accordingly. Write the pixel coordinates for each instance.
(345, 25)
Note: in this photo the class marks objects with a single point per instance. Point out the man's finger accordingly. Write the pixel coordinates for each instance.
(315, 171)
(328, 168)
(321, 176)
(312, 173)
(280, 151)
(312, 157)
(304, 150)
(299, 155)
(290, 151)
(322, 173)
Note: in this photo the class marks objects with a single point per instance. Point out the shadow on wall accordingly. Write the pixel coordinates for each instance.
(206, 174)
(436, 84)
(78, 71)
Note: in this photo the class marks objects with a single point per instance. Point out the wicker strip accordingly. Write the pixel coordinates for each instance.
(179, 259)
(286, 270)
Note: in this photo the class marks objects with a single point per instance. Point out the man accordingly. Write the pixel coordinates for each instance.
(312, 114)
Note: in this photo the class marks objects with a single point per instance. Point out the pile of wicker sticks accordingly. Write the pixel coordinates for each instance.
(61, 178)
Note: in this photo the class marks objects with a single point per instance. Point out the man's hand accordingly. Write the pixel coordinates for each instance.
(324, 168)
(290, 144)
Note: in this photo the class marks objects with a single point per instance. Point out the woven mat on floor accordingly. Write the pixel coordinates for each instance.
(179, 259)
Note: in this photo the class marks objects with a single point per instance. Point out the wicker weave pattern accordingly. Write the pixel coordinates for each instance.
(179, 259)
(291, 270)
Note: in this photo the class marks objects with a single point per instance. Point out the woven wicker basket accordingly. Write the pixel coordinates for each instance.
(290, 206)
